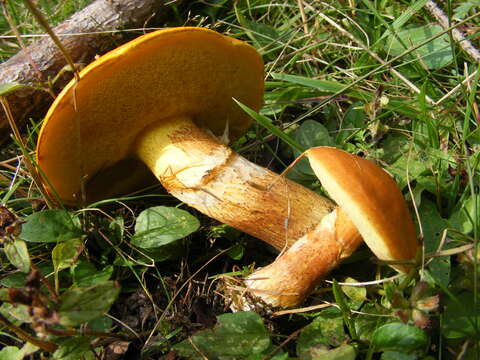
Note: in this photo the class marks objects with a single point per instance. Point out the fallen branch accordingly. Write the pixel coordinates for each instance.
(88, 33)
(444, 22)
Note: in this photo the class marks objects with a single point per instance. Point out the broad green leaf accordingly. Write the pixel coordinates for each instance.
(461, 11)
(463, 219)
(161, 225)
(17, 279)
(473, 138)
(123, 261)
(405, 16)
(341, 301)
(14, 353)
(262, 34)
(224, 231)
(461, 317)
(117, 228)
(74, 348)
(18, 312)
(429, 183)
(279, 354)
(310, 134)
(368, 321)
(400, 337)
(79, 305)
(236, 336)
(343, 352)
(395, 146)
(7, 88)
(353, 122)
(28, 349)
(356, 293)
(433, 225)
(397, 355)
(327, 330)
(404, 165)
(236, 252)
(435, 54)
(266, 354)
(102, 323)
(86, 274)
(50, 226)
(11, 353)
(17, 253)
(4, 295)
(163, 253)
(65, 254)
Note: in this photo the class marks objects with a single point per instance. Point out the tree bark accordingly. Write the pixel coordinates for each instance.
(86, 34)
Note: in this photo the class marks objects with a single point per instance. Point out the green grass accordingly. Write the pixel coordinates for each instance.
(25, 23)
(335, 85)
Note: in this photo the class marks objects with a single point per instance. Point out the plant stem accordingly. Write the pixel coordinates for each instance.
(26, 156)
(23, 335)
(44, 23)
(97, 334)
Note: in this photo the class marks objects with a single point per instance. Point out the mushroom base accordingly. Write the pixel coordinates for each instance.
(204, 173)
(294, 274)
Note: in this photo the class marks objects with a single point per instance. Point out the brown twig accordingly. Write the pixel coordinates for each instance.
(45, 282)
(46, 26)
(20, 41)
(445, 23)
(94, 30)
(87, 332)
(285, 342)
(23, 335)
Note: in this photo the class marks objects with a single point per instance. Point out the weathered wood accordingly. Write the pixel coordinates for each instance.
(86, 34)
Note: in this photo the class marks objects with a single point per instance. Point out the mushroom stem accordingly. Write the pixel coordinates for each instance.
(293, 275)
(206, 174)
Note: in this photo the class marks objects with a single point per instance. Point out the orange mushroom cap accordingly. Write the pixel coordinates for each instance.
(179, 72)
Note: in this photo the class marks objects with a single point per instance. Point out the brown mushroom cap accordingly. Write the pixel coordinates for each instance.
(192, 72)
(372, 201)
(370, 205)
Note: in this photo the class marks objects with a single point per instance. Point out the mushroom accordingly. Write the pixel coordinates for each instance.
(163, 100)
(370, 204)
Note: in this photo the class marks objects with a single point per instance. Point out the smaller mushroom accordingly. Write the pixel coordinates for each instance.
(370, 205)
